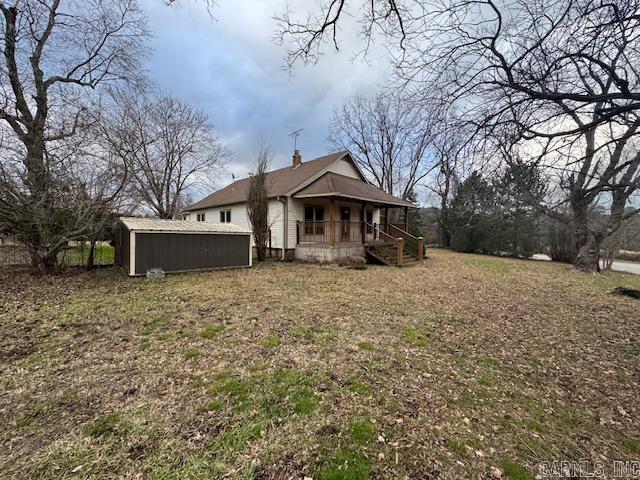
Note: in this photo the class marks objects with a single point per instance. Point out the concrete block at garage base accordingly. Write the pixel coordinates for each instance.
(156, 273)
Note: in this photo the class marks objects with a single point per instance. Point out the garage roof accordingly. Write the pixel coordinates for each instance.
(157, 225)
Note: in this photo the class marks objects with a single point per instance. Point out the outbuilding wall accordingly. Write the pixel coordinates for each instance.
(123, 246)
(179, 252)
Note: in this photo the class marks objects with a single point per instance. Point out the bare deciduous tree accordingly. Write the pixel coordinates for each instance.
(561, 76)
(449, 146)
(54, 55)
(389, 138)
(257, 201)
(169, 147)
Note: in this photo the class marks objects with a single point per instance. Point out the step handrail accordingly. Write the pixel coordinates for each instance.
(413, 245)
(403, 232)
(391, 240)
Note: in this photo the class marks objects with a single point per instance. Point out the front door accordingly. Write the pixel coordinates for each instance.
(345, 222)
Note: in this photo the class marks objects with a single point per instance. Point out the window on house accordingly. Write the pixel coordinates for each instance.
(369, 216)
(314, 219)
(200, 217)
(225, 216)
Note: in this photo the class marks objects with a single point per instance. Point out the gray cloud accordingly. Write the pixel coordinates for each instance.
(231, 68)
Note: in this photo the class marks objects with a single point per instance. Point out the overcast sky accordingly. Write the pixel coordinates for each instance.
(231, 68)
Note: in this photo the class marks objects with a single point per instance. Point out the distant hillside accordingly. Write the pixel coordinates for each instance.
(428, 224)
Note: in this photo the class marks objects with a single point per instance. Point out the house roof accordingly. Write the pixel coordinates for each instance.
(279, 182)
(157, 225)
(334, 184)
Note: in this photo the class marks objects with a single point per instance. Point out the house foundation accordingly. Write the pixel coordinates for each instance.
(325, 253)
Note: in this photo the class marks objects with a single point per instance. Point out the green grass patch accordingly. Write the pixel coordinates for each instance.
(415, 336)
(369, 346)
(535, 425)
(631, 348)
(191, 354)
(486, 379)
(515, 471)
(304, 401)
(360, 387)
(144, 345)
(234, 387)
(154, 325)
(462, 445)
(212, 331)
(631, 445)
(529, 404)
(272, 341)
(345, 464)
(361, 431)
(457, 445)
(104, 425)
(467, 399)
(38, 411)
(214, 405)
(237, 439)
(489, 361)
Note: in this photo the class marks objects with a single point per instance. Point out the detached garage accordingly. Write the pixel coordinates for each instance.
(180, 245)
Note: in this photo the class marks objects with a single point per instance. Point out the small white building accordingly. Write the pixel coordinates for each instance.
(321, 210)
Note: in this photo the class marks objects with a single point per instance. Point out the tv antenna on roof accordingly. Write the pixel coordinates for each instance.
(295, 134)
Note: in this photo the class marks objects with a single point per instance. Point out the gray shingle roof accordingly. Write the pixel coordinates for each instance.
(334, 184)
(279, 182)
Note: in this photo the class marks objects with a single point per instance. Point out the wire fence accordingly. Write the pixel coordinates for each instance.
(76, 254)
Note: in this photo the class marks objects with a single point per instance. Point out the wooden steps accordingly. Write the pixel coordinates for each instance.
(387, 256)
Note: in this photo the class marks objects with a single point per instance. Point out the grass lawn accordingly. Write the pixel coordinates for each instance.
(457, 368)
(78, 256)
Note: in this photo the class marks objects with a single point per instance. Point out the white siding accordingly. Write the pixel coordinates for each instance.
(239, 217)
(276, 220)
(296, 214)
(344, 167)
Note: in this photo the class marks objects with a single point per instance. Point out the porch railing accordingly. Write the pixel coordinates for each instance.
(337, 231)
(389, 237)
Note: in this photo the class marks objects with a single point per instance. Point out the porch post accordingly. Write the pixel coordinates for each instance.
(406, 219)
(386, 220)
(399, 251)
(332, 224)
(420, 248)
(363, 226)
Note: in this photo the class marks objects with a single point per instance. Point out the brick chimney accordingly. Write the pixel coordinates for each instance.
(297, 158)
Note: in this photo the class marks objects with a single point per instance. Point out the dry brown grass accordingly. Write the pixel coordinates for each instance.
(285, 371)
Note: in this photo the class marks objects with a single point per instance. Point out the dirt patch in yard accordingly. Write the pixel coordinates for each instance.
(463, 367)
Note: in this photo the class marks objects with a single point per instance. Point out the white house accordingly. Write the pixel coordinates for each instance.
(320, 210)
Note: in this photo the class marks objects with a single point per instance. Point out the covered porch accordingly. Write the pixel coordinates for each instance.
(336, 220)
(341, 217)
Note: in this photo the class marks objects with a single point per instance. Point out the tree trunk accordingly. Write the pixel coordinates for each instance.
(43, 264)
(261, 246)
(588, 258)
(43, 261)
(445, 236)
(587, 246)
(92, 251)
